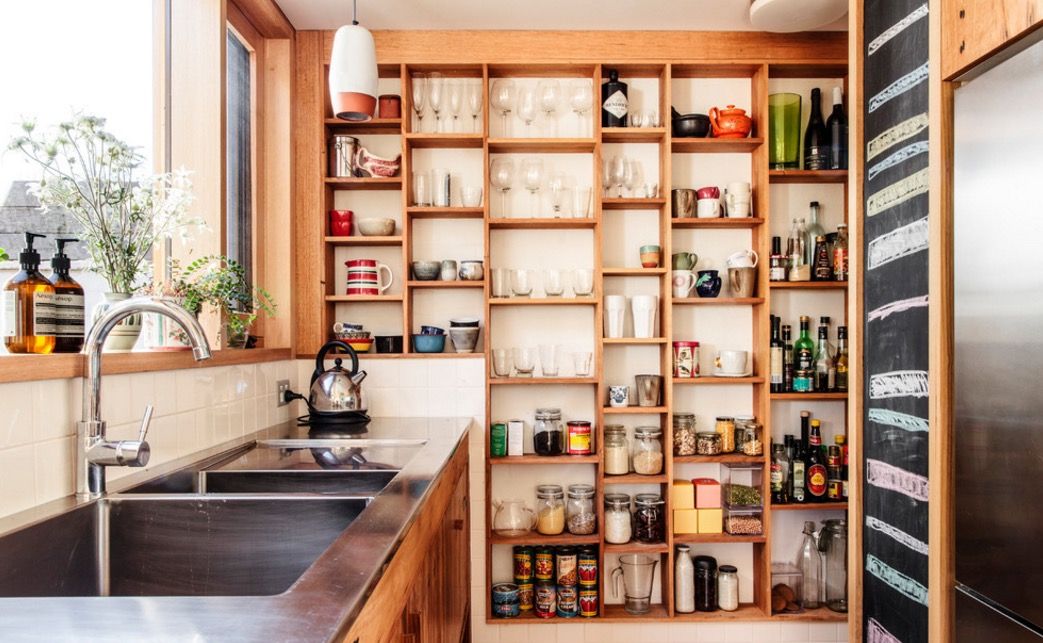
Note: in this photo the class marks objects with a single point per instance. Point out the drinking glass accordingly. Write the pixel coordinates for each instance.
(501, 175)
(524, 361)
(556, 185)
(581, 99)
(419, 99)
(549, 359)
(549, 92)
(553, 284)
(521, 282)
(532, 173)
(422, 189)
(636, 118)
(502, 99)
(581, 363)
(633, 176)
(581, 202)
(584, 283)
(501, 362)
(527, 108)
(474, 102)
(652, 118)
(436, 85)
(617, 170)
(784, 131)
(456, 103)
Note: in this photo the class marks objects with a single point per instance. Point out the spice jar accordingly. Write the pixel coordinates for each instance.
(580, 516)
(617, 518)
(725, 427)
(684, 434)
(707, 443)
(728, 588)
(578, 440)
(617, 453)
(550, 509)
(648, 451)
(705, 583)
(751, 440)
(547, 433)
(649, 518)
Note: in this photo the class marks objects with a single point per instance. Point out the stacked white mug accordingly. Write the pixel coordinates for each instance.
(738, 199)
(643, 308)
(615, 309)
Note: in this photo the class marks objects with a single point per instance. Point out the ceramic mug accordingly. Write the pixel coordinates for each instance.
(340, 223)
(731, 362)
(742, 259)
(346, 327)
(618, 396)
(364, 277)
(708, 192)
(684, 260)
(650, 256)
(683, 281)
(708, 208)
(742, 281)
(708, 284)
(472, 270)
(683, 203)
(448, 270)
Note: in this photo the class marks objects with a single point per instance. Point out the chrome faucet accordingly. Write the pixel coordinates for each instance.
(93, 451)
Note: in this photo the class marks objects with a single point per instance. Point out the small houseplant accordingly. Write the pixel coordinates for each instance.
(222, 283)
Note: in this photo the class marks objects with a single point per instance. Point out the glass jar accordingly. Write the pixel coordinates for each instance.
(579, 513)
(684, 434)
(705, 583)
(547, 433)
(647, 459)
(617, 452)
(728, 588)
(550, 509)
(832, 541)
(725, 427)
(751, 443)
(707, 443)
(617, 518)
(649, 518)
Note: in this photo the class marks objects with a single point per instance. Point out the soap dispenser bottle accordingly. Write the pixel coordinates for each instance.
(28, 305)
(68, 303)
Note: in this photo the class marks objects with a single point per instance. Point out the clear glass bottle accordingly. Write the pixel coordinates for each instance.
(550, 509)
(813, 231)
(684, 581)
(809, 562)
(647, 458)
(617, 451)
(840, 254)
(618, 529)
(579, 512)
(832, 542)
(684, 434)
(548, 434)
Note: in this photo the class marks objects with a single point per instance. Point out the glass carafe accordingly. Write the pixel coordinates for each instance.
(832, 542)
(809, 562)
(513, 518)
(637, 572)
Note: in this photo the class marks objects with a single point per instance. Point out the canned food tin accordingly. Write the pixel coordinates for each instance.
(686, 359)
(578, 442)
(505, 600)
(587, 566)
(565, 560)
(543, 564)
(568, 602)
(522, 563)
(588, 603)
(525, 596)
(498, 440)
(546, 599)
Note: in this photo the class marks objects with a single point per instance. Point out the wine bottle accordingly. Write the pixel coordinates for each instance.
(816, 473)
(837, 126)
(825, 369)
(787, 359)
(841, 360)
(614, 105)
(779, 473)
(798, 468)
(804, 359)
(816, 138)
(776, 356)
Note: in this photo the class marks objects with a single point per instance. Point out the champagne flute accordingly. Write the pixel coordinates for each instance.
(502, 99)
(456, 103)
(581, 99)
(549, 93)
(501, 175)
(526, 108)
(419, 99)
(436, 83)
(474, 101)
(617, 173)
(532, 172)
(556, 185)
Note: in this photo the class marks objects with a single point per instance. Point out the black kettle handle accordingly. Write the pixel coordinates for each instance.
(320, 359)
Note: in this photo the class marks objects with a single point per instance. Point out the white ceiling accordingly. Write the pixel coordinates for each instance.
(688, 15)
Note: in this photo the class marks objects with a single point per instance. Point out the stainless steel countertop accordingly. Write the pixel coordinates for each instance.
(319, 606)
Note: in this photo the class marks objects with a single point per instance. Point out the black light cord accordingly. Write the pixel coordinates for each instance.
(354, 12)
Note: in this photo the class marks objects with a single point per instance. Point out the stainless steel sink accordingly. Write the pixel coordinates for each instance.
(183, 546)
(341, 483)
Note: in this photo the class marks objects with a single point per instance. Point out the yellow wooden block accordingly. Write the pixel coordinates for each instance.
(711, 521)
(686, 521)
(682, 495)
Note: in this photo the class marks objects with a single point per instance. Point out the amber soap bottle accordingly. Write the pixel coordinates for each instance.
(28, 305)
(68, 303)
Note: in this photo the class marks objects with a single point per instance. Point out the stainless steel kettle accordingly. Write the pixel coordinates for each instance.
(336, 390)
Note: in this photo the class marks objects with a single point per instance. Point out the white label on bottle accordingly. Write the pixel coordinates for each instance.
(69, 315)
(616, 104)
(10, 314)
(44, 322)
(515, 432)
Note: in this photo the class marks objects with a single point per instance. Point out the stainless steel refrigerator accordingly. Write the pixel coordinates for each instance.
(998, 369)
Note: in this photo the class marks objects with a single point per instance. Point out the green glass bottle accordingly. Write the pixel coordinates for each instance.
(804, 359)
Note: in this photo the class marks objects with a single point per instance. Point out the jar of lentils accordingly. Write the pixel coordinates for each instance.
(649, 518)
(580, 517)
(684, 434)
(648, 451)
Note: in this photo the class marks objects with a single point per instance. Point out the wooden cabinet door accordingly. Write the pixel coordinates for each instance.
(458, 555)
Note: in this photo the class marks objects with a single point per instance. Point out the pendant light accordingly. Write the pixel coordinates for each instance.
(788, 16)
(353, 71)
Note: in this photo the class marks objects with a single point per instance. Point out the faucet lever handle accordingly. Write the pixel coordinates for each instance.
(145, 422)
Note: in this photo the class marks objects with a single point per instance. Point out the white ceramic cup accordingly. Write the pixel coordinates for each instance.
(738, 209)
(731, 362)
(644, 308)
(708, 208)
(618, 396)
(683, 281)
(742, 259)
(738, 187)
(615, 310)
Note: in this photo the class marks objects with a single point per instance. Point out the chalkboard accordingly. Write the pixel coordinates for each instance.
(895, 331)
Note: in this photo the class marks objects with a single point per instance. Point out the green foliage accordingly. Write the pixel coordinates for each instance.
(3, 255)
(223, 283)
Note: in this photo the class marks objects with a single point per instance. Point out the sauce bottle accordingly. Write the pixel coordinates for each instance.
(28, 305)
(68, 303)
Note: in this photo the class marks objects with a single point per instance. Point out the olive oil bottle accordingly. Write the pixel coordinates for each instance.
(28, 305)
(68, 303)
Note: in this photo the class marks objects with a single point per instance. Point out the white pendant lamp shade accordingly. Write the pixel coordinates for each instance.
(787, 16)
(353, 74)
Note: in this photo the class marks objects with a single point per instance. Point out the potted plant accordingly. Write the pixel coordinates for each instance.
(97, 179)
(223, 284)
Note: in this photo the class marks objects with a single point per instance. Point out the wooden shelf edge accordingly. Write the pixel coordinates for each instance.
(717, 301)
(540, 381)
(541, 459)
(820, 506)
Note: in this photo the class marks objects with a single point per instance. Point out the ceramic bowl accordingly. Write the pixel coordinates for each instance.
(360, 345)
(351, 335)
(464, 322)
(426, 270)
(691, 126)
(464, 339)
(376, 227)
(389, 343)
(472, 270)
(429, 343)
(431, 330)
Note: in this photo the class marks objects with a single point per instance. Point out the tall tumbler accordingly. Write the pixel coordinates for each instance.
(784, 131)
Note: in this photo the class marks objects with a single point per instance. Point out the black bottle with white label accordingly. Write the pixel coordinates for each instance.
(614, 104)
(816, 137)
(68, 303)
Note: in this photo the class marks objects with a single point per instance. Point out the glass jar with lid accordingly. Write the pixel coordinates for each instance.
(617, 452)
(708, 443)
(647, 458)
(684, 434)
(649, 518)
(728, 588)
(725, 427)
(832, 542)
(579, 512)
(748, 436)
(548, 434)
(550, 509)
(618, 529)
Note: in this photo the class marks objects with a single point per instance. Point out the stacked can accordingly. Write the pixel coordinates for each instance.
(523, 576)
(567, 577)
(587, 572)
(544, 597)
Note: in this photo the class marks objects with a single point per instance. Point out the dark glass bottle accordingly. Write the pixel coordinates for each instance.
(776, 352)
(705, 583)
(837, 127)
(28, 305)
(69, 311)
(614, 103)
(816, 137)
(816, 476)
(825, 368)
(804, 359)
(798, 470)
(777, 271)
(787, 359)
(841, 360)
(779, 474)
(822, 268)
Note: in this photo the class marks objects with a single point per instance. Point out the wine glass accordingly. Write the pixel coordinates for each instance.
(474, 101)
(419, 99)
(617, 171)
(632, 176)
(581, 99)
(532, 172)
(456, 103)
(436, 83)
(501, 175)
(502, 99)
(556, 185)
(549, 93)
(526, 108)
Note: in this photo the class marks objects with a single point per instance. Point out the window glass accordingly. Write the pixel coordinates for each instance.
(239, 210)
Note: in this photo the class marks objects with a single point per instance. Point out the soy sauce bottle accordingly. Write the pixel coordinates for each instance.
(614, 103)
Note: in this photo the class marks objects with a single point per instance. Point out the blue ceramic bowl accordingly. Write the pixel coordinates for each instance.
(429, 343)
(431, 330)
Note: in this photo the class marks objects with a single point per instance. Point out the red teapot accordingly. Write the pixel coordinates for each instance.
(730, 122)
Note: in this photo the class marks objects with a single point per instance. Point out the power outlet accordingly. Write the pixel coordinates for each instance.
(282, 387)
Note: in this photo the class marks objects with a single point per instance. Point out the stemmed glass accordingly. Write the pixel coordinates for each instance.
(617, 171)
(474, 101)
(527, 108)
(532, 172)
(419, 99)
(502, 99)
(581, 99)
(556, 185)
(436, 84)
(501, 175)
(632, 176)
(549, 92)
(456, 103)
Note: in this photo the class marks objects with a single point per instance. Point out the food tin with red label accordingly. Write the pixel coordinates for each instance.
(543, 563)
(579, 438)
(568, 602)
(587, 566)
(588, 603)
(522, 563)
(546, 599)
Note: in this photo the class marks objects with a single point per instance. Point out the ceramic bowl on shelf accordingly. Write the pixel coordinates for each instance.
(389, 343)
(464, 338)
(426, 270)
(359, 344)
(472, 270)
(351, 335)
(690, 125)
(431, 330)
(376, 227)
(464, 322)
(428, 343)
